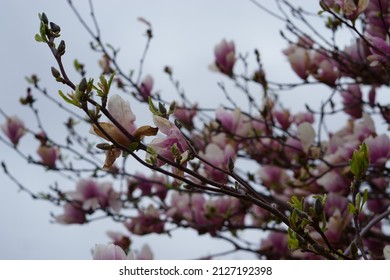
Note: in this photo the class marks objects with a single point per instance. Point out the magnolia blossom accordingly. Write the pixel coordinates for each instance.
(121, 112)
(146, 222)
(186, 115)
(306, 135)
(299, 59)
(284, 118)
(218, 157)
(92, 195)
(108, 252)
(352, 101)
(225, 57)
(233, 121)
(14, 129)
(324, 69)
(146, 87)
(49, 155)
(273, 177)
(148, 185)
(73, 214)
(120, 239)
(379, 149)
(163, 146)
(275, 245)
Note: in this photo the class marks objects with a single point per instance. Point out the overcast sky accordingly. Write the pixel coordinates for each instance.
(185, 35)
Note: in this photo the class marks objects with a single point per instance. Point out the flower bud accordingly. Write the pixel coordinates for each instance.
(61, 48)
(54, 27)
(56, 74)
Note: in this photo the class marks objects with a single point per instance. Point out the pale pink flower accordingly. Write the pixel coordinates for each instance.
(225, 57)
(120, 239)
(146, 87)
(352, 8)
(186, 115)
(324, 69)
(333, 181)
(163, 146)
(303, 117)
(49, 155)
(121, 112)
(147, 221)
(379, 149)
(306, 135)
(273, 177)
(275, 245)
(14, 129)
(108, 252)
(219, 157)
(92, 195)
(233, 122)
(299, 59)
(73, 214)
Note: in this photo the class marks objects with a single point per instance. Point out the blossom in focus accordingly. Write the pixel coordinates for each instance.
(73, 214)
(14, 129)
(108, 252)
(163, 146)
(121, 112)
(225, 57)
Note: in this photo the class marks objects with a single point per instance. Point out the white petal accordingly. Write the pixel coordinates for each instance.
(306, 135)
(120, 110)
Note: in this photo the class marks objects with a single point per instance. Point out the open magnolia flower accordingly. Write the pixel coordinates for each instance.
(120, 110)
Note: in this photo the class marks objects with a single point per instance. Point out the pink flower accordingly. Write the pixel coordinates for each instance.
(163, 146)
(149, 186)
(352, 8)
(93, 195)
(186, 115)
(14, 129)
(273, 177)
(303, 117)
(284, 118)
(218, 157)
(120, 239)
(352, 101)
(233, 122)
(225, 57)
(324, 69)
(108, 252)
(49, 155)
(379, 149)
(275, 245)
(147, 221)
(146, 87)
(73, 214)
(333, 181)
(299, 59)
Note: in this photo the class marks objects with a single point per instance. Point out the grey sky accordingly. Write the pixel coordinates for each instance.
(185, 35)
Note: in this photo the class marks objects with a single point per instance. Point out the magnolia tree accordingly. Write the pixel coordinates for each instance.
(316, 192)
